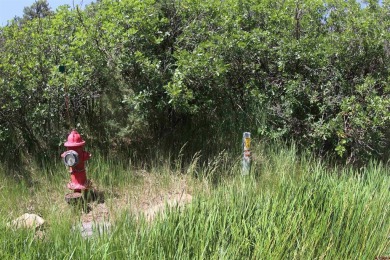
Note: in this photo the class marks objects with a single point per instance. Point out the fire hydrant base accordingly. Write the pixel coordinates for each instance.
(77, 186)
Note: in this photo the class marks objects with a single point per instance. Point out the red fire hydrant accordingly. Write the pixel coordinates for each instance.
(74, 158)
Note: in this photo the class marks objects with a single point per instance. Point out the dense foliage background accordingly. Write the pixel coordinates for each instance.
(198, 72)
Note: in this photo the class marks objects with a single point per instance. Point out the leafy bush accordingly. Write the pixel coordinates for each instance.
(175, 71)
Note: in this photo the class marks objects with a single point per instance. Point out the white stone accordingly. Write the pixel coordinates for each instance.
(27, 221)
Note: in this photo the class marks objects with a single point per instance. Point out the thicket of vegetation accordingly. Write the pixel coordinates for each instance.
(198, 72)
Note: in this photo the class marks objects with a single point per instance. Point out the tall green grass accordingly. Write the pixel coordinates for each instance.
(289, 207)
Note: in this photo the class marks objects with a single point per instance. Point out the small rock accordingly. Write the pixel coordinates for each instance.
(27, 221)
(88, 229)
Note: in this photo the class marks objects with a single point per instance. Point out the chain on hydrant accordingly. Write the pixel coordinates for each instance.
(74, 158)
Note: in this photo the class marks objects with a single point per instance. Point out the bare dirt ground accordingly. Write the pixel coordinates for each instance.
(148, 199)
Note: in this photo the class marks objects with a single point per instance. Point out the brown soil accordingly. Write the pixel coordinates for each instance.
(150, 209)
(149, 199)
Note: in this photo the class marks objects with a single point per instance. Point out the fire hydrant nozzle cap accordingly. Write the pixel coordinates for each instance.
(74, 140)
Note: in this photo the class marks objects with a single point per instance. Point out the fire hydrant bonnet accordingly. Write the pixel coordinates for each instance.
(74, 140)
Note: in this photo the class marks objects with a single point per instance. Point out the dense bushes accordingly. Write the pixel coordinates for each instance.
(174, 71)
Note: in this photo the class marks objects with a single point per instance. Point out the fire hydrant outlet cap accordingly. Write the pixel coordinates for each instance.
(74, 140)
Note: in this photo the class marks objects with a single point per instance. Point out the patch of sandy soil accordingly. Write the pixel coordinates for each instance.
(151, 208)
(97, 212)
(148, 199)
(153, 195)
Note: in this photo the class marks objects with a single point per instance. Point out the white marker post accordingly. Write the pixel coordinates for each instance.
(246, 160)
